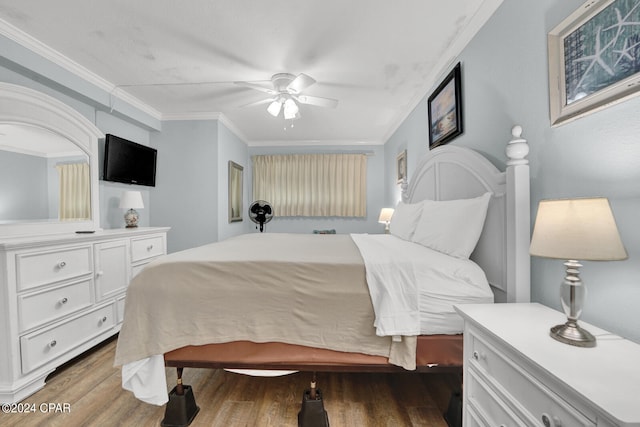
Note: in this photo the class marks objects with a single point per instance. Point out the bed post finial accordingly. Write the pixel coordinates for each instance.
(517, 148)
(518, 219)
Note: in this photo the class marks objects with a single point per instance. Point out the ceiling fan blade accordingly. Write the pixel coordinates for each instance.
(317, 101)
(261, 102)
(249, 85)
(300, 83)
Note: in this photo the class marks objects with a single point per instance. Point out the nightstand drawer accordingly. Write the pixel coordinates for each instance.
(38, 308)
(531, 399)
(148, 247)
(490, 409)
(41, 268)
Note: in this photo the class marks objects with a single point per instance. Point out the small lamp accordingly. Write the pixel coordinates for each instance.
(131, 200)
(575, 229)
(385, 218)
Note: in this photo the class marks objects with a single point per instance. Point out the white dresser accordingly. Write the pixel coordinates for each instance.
(61, 295)
(515, 374)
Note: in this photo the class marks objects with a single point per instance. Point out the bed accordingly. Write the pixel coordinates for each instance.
(281, 302)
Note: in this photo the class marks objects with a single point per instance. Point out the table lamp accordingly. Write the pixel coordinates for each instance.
(131, 200)
(575, 229)
(385, 218)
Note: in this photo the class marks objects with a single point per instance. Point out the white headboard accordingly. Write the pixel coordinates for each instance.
(450, 172)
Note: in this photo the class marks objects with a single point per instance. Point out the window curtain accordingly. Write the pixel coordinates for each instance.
(312, 184)
(75, 191)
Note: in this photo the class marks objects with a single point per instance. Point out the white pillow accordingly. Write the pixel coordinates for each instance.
(404, 220)
(452, 227)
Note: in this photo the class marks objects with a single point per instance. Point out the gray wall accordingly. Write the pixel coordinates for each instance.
(230, 147)
(504, 73)
(186, 194)
(111, 216)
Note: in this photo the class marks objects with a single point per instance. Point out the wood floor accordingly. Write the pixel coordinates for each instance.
(90, 385)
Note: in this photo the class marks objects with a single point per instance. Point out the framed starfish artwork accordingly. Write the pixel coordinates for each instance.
(594, 58)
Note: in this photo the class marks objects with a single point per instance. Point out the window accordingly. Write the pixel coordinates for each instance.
(312, 184)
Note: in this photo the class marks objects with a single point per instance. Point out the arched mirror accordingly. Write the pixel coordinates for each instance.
(48, 165)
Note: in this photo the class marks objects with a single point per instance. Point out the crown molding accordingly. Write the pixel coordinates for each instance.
(36, 46)
(204, 115)
(208, 116)
(312, 142)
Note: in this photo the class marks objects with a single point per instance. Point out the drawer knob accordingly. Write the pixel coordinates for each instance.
(104, 319)
(548, 421)
(478, 356)
(100, 273)
(53, 343)
(64, 300)
(62, 264)
(149, 247)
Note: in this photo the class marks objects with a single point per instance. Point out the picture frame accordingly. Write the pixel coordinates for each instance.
(235, 192)
(401, 167)
(594, 59)
(445, 109)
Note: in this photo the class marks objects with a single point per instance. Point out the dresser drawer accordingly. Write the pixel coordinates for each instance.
(530, 397)
(41, 347)
(491, 409)
(147, 247)
(120, 309)
(50, 304)
(45, 267)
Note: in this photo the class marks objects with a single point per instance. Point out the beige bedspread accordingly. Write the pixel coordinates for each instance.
(293, 288)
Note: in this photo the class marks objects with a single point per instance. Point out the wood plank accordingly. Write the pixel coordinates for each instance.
(92, 387)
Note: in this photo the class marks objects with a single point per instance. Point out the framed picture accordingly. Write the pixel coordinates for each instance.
(401, 167)
(445, 109)
(235, 192)
(594, 58)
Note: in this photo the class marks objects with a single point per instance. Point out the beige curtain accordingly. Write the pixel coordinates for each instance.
(75, 191)
(312, 184)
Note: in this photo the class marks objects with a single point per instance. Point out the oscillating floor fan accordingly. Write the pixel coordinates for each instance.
(261, 213)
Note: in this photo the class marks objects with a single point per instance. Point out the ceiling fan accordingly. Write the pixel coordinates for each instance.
(286, 94)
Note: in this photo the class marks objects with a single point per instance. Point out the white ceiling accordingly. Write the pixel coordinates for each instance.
(181, 58)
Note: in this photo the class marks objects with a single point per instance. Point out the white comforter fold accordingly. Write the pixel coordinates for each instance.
(411, 286)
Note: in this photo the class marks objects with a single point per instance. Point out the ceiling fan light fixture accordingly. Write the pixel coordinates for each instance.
(274, 108)
(290, 109)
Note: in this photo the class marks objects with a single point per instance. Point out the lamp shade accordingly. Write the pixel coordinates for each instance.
(576, 229)
(131, 200)
(290, 109)
(274, 108)
(385, 215)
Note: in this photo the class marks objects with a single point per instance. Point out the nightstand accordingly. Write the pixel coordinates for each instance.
(515, 374)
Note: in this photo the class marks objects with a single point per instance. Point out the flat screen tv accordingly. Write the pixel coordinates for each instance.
(129, 162)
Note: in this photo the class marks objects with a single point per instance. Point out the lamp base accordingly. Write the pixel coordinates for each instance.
(572, 334)
(131, 218)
